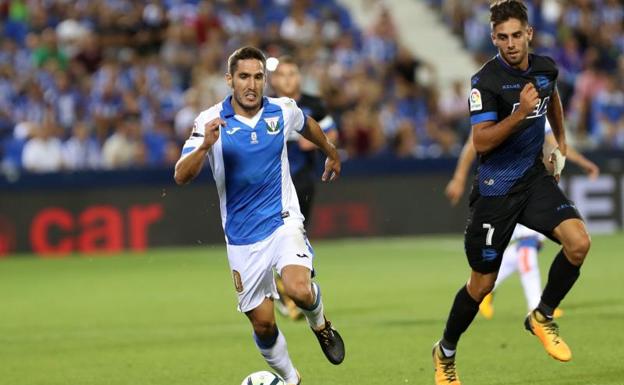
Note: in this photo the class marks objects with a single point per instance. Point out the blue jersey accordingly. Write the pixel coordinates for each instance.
(494, 96)
(249, 163)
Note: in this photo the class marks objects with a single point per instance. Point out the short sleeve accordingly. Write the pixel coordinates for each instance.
(554, 70)
(197, 136)
(482, 104)
(294, 118)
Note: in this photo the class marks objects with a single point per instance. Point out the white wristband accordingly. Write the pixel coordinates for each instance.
(558, 161)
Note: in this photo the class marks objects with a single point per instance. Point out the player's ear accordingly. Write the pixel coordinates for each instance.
(228, 79)
(530, 33)
(493, 37)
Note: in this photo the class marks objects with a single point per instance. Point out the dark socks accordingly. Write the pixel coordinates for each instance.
(266, 342)
(462, 313)
(561, 278)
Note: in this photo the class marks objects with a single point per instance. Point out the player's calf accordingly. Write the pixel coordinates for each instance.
(330, 340)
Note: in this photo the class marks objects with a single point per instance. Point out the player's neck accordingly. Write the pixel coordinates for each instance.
(246, 112)
(522, 66)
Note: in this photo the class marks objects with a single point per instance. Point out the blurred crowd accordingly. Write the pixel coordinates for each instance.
(106, 84)
(117, 83)
(585, 38)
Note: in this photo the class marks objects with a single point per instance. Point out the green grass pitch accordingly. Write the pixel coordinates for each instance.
(168, 317)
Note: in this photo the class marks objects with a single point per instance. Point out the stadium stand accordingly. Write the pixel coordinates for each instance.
(85, 72)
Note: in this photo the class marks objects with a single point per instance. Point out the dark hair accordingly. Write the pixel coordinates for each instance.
(287, 59)
(245, 53)
(503, 10)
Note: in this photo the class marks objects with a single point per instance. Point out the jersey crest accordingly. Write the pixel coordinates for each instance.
(475, 100)
(272, 123)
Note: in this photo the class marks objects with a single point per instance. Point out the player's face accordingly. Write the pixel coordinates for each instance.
(247, 84)
(286, 80)
(512, 39)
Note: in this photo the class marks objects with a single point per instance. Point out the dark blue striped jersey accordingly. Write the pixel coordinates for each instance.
(495, 94)
(302, 162)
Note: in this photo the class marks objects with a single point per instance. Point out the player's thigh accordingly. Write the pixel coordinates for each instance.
(252, 274)
(291, 247)
(547, 206)
(490, 225)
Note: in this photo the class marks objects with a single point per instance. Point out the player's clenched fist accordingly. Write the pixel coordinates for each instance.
(211, 132)
(529, 99)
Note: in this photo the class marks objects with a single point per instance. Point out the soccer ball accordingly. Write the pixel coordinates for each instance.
(263, 378)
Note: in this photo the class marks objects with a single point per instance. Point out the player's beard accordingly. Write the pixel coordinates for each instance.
(517, 58)
(250, 107)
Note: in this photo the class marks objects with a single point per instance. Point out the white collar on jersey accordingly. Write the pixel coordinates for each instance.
(251, 122)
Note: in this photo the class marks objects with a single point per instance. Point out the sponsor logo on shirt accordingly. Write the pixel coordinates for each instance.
(254, 138)
(516, 86)
(232, 130)
(475, 100)
(540, 109)
(542, 82)
(489, 254)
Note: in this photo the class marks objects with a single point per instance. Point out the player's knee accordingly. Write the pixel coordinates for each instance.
(578, 249)
(301, 292)
(264, 329)
(479, 290)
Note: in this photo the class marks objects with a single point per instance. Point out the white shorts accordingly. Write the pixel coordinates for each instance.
(524, 232)
(252, 265)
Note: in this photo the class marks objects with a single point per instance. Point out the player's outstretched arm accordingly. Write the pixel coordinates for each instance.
(590, 168)
(188, 166)
(489, 135)
(455, 187)
(555, 118)
(314, 134)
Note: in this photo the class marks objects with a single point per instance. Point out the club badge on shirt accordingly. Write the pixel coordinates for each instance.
(272, 125)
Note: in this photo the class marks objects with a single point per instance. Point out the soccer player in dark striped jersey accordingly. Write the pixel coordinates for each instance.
(302, 154)
(512, 96)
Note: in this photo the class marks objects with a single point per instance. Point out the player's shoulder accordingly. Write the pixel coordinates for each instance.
(287, 105)
(283, 102)
(543, 63)
(486, 74)
(207, 115)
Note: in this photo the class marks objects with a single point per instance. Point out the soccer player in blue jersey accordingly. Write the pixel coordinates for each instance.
(244, 139)
(512, 96)
(302, 154)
